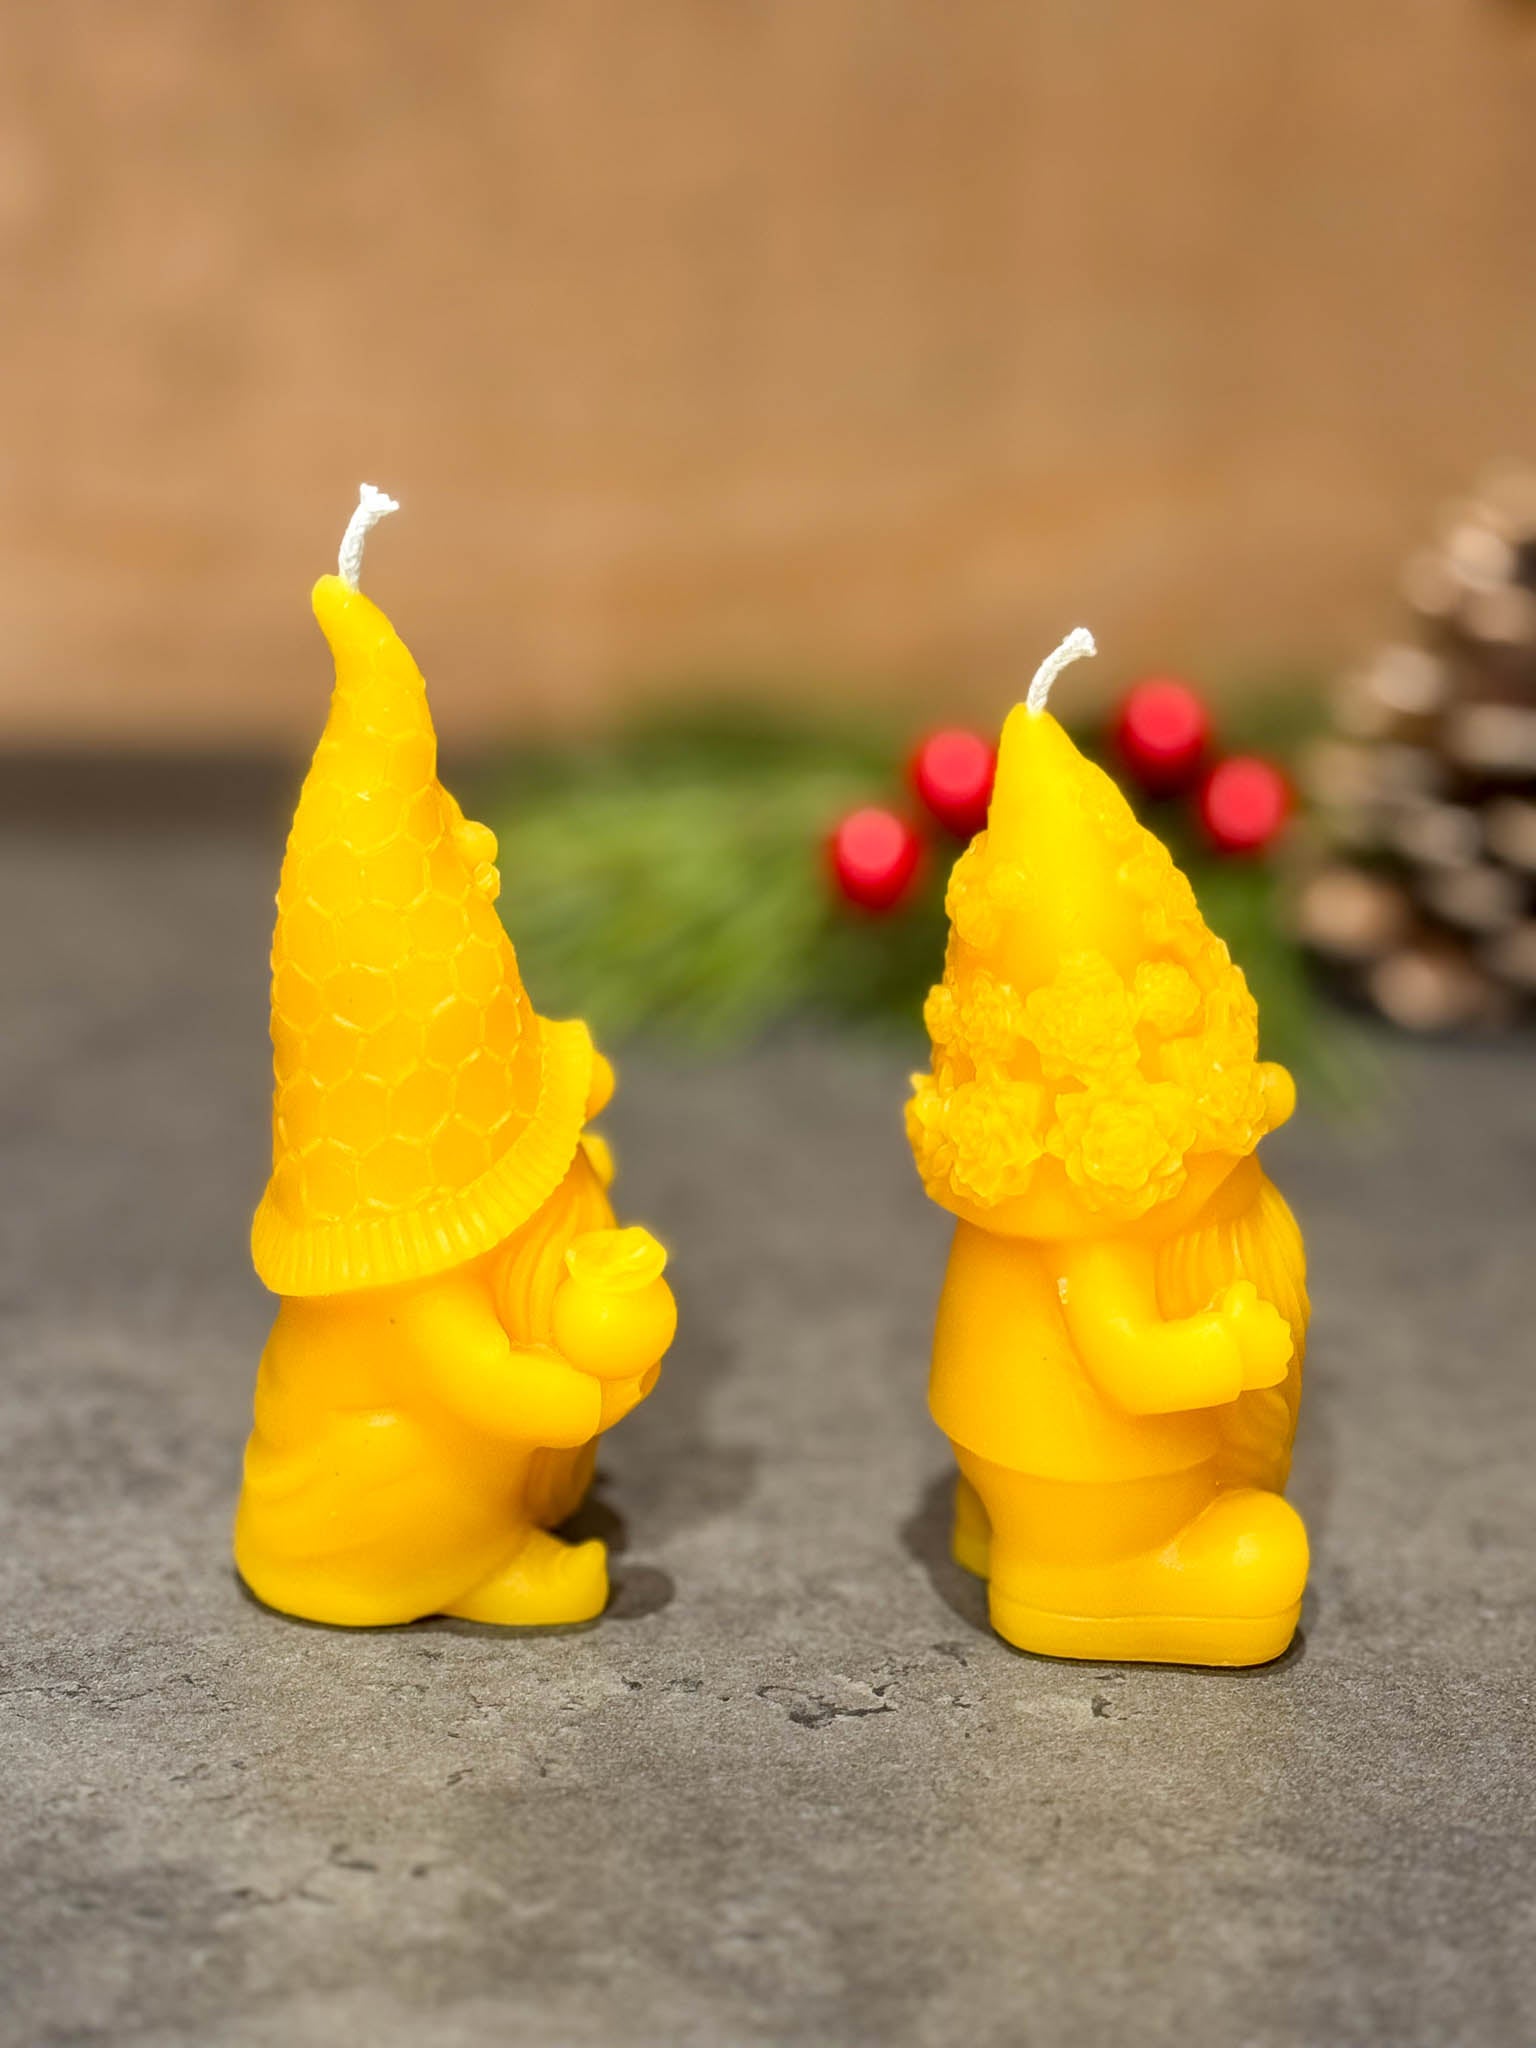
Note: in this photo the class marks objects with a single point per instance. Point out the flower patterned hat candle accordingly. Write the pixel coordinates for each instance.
(459, 1316)
(1117, 1360)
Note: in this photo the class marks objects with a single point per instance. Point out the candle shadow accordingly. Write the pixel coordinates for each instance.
(670, 1472)
(1314, 1461)
(669, 1468)
(638, 1589)
(925, 1536)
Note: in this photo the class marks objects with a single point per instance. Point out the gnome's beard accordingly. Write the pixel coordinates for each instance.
(531, 1264)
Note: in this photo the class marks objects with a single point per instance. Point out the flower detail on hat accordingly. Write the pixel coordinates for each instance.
(1123, 1144)
(1119, 1077)
(978, 1137)
(1164, 996)
(1082, 1023)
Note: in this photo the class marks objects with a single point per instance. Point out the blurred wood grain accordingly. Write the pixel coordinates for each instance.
(866, 340)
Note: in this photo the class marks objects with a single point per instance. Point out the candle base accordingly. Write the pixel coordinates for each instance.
(1144, 1638)
(1171, 1568)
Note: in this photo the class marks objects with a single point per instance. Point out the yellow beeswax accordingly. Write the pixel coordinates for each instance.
(418, 1428)
(1117, 1360)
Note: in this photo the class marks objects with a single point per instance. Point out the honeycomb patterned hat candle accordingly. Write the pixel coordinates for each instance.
(422, 1110)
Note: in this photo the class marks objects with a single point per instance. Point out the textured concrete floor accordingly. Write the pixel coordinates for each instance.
(790, 1790)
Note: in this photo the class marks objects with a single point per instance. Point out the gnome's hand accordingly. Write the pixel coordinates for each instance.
(613, 1313)
(1261, 1333)
(1151, 1364)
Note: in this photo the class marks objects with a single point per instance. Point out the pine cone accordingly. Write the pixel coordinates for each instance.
(1418, 889)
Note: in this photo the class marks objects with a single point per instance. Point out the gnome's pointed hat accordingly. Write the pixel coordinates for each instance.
(1091, 1035)
(423, 1110)
(1059, 822)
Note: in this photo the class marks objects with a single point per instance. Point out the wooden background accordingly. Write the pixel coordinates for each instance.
(857, 342)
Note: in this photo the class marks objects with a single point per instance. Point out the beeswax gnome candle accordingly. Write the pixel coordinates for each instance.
(1117, 1360)
(419, 1424)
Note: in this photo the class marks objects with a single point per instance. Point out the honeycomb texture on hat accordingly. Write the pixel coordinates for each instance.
(422, 1108)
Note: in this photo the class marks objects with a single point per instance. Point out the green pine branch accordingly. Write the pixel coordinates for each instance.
(674, 882)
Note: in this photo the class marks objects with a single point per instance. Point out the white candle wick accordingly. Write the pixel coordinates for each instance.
(372, 506)
(1077, 643)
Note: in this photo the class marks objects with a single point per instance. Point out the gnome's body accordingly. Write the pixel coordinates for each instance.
(1118, 1355)
(419, 1424)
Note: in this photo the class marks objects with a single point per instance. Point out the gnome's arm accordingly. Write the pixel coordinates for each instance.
(1150, 1365)
(526, 1395)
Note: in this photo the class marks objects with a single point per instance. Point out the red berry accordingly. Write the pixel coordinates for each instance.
(952, 774)
(1243, 803)
(875, 857)
(1162, 731)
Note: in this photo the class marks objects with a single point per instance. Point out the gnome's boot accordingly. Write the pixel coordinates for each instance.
(543, 1582)
(1172, 1568)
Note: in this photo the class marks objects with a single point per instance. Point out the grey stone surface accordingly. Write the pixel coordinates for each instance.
(790, 1790)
